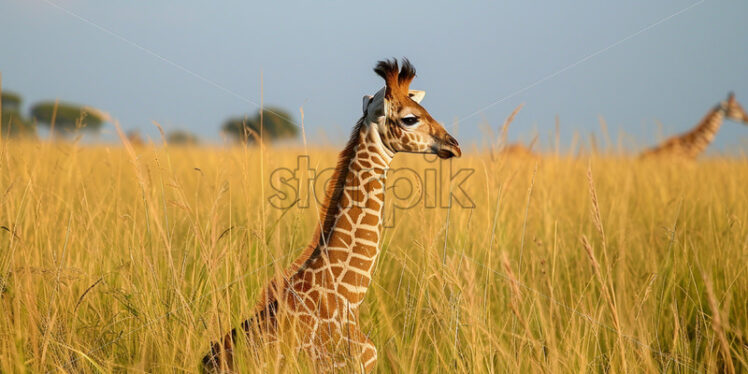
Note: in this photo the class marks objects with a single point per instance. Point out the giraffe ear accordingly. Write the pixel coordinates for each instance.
(416, 95)
(367, 101)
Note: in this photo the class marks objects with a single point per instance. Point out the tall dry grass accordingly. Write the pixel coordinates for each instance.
(132, 260)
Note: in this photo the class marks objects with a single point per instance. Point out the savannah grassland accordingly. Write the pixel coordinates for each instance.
(118, 261)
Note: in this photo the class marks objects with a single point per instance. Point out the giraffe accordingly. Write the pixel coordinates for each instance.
(319, 295)
(691, 144)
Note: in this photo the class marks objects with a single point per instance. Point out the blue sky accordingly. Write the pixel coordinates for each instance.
(192, 64)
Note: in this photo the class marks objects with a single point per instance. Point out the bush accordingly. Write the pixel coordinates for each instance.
(182, 137)
(12, 121)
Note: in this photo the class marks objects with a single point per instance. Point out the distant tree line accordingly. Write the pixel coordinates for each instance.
(65, 117)
(273, 123)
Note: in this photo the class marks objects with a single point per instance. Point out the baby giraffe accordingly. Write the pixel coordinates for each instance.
(317, 299)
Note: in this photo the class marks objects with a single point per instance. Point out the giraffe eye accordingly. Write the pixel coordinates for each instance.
(409, 120)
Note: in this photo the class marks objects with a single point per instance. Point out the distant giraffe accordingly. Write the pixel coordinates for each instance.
(320, 294)
(691, 144)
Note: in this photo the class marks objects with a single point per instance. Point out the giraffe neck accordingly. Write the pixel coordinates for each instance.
(347, 251)
(702, 135)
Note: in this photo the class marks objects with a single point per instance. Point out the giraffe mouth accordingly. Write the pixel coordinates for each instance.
(447, 151)
(448, 147)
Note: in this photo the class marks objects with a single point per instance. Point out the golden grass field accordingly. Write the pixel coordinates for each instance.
(120, 262)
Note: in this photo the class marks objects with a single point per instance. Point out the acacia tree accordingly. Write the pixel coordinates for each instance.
(277, 123)
(12, 121)
(67, 116)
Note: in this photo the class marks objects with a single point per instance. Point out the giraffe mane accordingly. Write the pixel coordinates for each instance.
(335, 189)
(334, 192)
(328, 211)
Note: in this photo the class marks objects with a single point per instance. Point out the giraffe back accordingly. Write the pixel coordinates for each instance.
(691, 144)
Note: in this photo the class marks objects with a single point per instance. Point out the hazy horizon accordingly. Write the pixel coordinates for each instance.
(191, 67)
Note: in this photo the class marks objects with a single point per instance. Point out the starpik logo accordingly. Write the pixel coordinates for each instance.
(438, 185)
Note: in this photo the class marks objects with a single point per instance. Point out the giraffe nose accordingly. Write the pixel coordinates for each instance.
(450, 140)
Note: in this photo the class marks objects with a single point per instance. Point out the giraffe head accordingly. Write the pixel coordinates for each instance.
(734, 111)
(403, 124)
